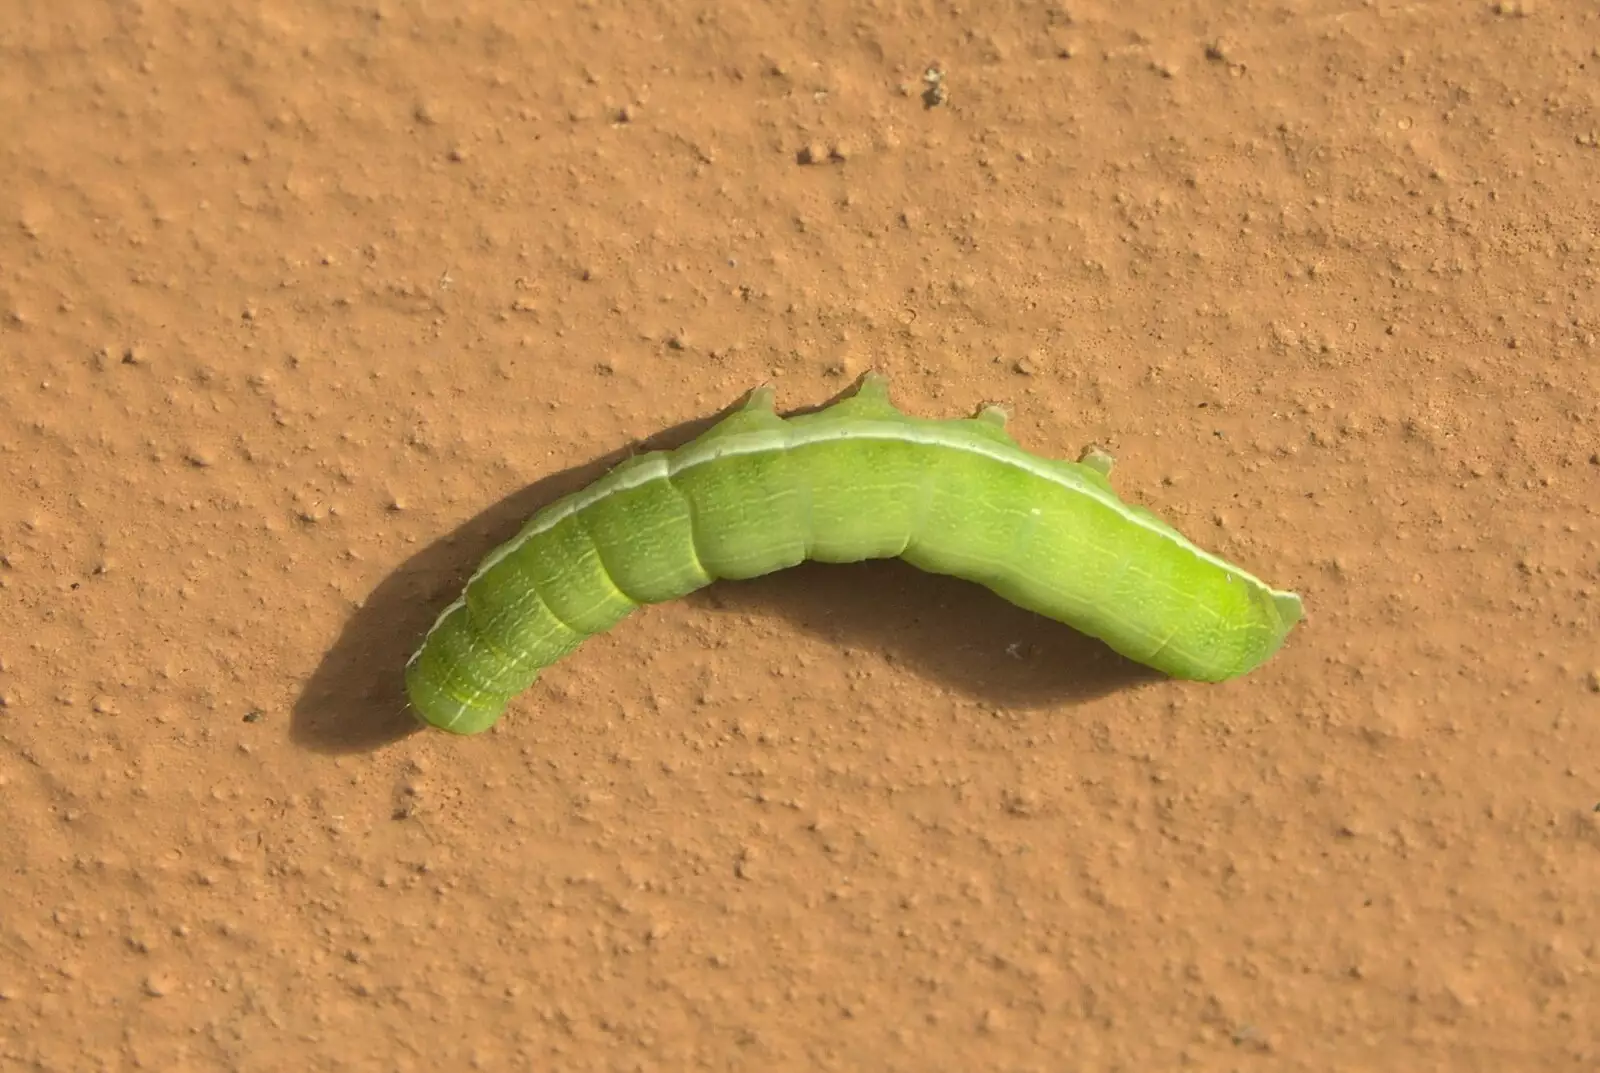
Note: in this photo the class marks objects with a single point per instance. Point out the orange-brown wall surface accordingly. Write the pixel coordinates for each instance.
(304, 307)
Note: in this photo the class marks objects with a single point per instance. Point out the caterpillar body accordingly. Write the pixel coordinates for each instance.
(757, 493)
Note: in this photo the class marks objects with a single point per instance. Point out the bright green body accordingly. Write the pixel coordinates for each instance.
(858, 480)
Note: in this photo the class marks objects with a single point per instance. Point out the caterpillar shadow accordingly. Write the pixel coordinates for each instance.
(947, 630)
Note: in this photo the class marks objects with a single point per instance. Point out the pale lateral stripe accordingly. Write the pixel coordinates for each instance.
(667, 465)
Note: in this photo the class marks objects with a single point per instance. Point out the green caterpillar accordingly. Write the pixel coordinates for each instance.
(858, 480)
